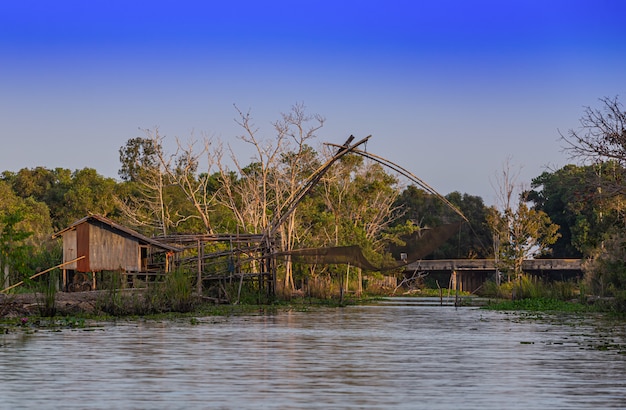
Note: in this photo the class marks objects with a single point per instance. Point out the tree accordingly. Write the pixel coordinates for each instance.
(43, 186)
(601, 141)
(140, 155)
(88, 193)
(25, 226)
(68, 195)
(530, 234)
(570, 197)
(263, 191)
(519, 232)
(13, 248)
(149, 199)
(360, 200)
(360, 196)
(605, 270)
(427, 211)
(36, 182)
(294, 167)
(34, 216)
(601, 137)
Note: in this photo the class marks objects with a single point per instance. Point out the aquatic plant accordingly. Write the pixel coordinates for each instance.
(525, 287)
(538, 305)
(173, 294)
(47, 294)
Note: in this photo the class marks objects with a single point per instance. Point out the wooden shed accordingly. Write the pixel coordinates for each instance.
(97, 244)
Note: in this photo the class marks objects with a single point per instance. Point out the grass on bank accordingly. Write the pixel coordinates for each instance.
(175, 298)
(531, 294)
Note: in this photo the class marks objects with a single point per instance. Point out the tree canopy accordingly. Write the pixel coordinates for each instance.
(202, 187)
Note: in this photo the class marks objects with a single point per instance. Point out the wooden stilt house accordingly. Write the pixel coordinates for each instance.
(97, 244)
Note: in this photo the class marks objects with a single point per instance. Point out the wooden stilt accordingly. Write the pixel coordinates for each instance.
(456, 288)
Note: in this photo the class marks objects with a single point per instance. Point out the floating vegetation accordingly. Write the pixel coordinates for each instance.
(540, 305)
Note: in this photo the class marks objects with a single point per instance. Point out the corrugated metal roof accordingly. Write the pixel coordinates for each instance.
(121, 228)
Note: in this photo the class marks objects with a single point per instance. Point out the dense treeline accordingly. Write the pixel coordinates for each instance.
(204, 187)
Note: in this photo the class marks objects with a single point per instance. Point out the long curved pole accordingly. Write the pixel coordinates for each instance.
(410, 176)
(311, 181)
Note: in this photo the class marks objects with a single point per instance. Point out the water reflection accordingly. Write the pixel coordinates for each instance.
(377, 357)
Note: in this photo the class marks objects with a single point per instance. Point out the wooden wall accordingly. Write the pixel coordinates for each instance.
(82, 247)
(103, 248)
(69, 249)
(110, 250)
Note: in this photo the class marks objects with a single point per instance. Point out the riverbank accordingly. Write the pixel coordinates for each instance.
(66, 303)
(94, 303)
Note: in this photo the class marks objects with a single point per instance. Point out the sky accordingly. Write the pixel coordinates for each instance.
(450, 90)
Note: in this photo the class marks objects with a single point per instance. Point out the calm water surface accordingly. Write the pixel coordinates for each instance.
(388, 356)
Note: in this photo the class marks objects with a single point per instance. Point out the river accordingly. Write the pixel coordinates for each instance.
(386, 356)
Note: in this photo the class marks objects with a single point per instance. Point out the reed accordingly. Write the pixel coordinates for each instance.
(173, 294)
(47, 287)
(528, 287)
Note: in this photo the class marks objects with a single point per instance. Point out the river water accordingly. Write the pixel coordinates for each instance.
(386, 356)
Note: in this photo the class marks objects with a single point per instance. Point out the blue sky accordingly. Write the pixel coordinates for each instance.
(447, 89)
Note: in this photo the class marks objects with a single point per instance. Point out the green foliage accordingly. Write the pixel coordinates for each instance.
(530, 287)
(14, 252)
(88, 193)
(137, 157)
(42, 186)
(47, 293)
(539, 305)
(173, 294)
(573, 199)
(474, 238)
(246, 293)
(176, 291)
(425, 210)
(577, 211)
(519, 234)
(605, 271)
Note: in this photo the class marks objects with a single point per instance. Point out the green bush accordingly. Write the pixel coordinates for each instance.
(605, 271)
(173, 294)
(528, 287)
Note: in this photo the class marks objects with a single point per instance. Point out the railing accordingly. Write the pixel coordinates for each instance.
(490, 264)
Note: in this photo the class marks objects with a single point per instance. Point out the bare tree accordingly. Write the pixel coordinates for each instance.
(294, 168)
(361, 198)
(158, 178)
(264, 187)
(601, 139)
(602, 134)
(147, 208)
(249, 197)
(182, 169)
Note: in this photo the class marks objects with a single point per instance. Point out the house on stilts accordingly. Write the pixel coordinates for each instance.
(95, 244)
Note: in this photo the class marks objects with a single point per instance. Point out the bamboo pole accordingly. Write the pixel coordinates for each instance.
(456, 288)
(42, 272)
(199, 271)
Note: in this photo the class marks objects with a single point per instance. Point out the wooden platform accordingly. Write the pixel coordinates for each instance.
(470, 274)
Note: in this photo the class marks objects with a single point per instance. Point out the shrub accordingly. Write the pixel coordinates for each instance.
(605, 271)
(173, 294)
(528, 287)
